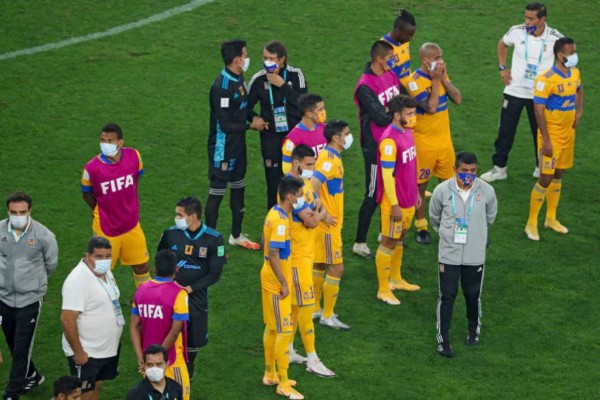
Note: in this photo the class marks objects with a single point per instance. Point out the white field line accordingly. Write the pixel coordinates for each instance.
(110, 32)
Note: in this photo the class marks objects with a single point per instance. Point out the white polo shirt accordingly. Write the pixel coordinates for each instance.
(535, 44)
(97, 324)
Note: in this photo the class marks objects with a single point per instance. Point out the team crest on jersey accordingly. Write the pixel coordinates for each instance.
(202, 252)
(478, 197)
(224, 166)
(31, 243)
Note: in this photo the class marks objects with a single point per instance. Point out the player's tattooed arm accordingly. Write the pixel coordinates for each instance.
(452, 92)
(424, 105)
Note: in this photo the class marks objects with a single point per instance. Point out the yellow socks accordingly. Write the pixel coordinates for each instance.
(318, 280)
(421, 224)
(269, 338)
(331, 288)
(282, 355)
(139, 279)
(552, 198)
(383, 260)
(396, 266)
(307, 328)
(535, 203)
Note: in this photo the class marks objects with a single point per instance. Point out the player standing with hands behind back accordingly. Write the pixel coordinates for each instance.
(558, 106)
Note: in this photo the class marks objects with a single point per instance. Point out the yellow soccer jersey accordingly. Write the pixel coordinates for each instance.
(329, 170)
(433, 130)
(303, 238)
(401, 59)
(388, 151)
(276, 234)
(558, 92)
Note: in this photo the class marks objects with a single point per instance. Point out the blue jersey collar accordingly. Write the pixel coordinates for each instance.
(331, 149)
(559, 72)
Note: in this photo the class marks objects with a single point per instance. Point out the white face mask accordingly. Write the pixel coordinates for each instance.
(155, 374)
(299, 203)
(181, 223)
(433, 64)
(349, 141)
(109, 149)
(18, 221)
(572, 61)
(246, 64)
(307, 173)
(102, 266)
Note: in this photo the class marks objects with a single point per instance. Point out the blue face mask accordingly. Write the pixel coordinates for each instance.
(467, 179)
(530, 29)
(390, 63)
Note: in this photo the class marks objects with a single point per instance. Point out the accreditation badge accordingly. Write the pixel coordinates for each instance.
(281, 123)
(530, 75)
(460, 231)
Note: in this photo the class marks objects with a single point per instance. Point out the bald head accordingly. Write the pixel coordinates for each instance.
(431, 54)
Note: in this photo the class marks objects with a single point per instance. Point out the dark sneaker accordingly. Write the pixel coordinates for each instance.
(445, 349)
(472, 339)
(423, 237)
(32, 382)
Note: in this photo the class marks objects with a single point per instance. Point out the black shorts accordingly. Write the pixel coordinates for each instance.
(96, 369)
(233, 170)
(270, 149)
(197, 328)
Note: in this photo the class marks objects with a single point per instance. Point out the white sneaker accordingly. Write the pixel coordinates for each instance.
(536, 172)
(361, 249)
(495, 174)
(318, 368)
(244, 242)
(296, 358)
(317, 314)
(333, 322)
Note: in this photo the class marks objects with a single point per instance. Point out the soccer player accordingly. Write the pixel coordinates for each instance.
(109, 185)
(158, 316)
(227, 140)
(302, 232)
(275, 279)
(377, 85)
(277, 87)
(533, 42)
(558, 103)
(399, 37)
(397, 195)
(309, 131)
(201, 257)
(432, 88)
(328, 183)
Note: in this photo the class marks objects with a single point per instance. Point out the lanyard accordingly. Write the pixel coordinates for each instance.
(106, 291)
(541, 49)
(469, 210)
(271, 91)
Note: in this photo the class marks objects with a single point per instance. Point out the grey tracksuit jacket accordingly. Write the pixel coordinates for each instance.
(443, 221)
(26, 264)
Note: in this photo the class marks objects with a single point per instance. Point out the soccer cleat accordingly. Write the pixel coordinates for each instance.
(361, 249)
(317, 314)
(532, 232)
(403, 285)
(32, 382)
(423, 237)
(389, 298)
(555, 226)
(428, 194)
(286, 390)
(445, 349)
(271, 379)
(244, 242)
(333, 322)
(495, 174)
(536, 172)
(318, 368)
(296, 358)
(472, 339)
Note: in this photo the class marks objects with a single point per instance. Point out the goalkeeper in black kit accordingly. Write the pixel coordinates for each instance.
(200, 254)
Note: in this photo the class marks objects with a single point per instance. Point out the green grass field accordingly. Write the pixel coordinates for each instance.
(540, 322)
